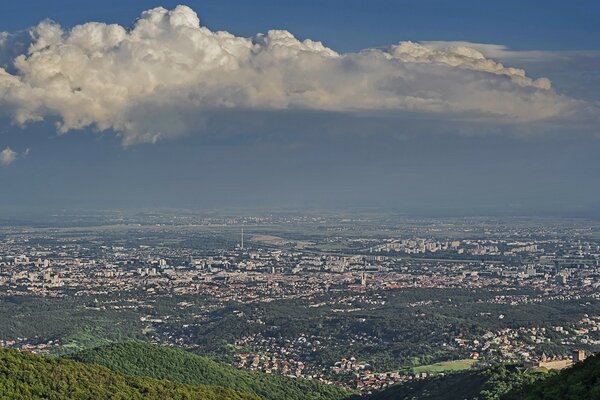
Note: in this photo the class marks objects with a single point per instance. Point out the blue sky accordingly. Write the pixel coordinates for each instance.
(350, 25)
(477, 141)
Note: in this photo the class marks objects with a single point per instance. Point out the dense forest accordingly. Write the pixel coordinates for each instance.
(147, 360)
(25, 376)
(582, 381)
(486, 384)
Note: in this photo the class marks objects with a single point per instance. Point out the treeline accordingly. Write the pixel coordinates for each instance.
(582, 381)
(147, 360)
(25, 376)
(487, 384)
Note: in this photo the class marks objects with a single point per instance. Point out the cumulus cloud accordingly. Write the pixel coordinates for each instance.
(7, 156)
(145, 82)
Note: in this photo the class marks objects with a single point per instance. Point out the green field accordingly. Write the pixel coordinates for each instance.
(454, 365)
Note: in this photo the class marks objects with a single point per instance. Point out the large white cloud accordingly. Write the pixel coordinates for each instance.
(138, 81)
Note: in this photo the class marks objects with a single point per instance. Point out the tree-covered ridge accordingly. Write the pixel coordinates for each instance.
(29, 377)
(486, 384)
(580, 382)
(147, 360)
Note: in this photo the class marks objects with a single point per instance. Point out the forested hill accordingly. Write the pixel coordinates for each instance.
(486, 384)
(25, 376)
(582, 381)
(136, 370)
(147, 360)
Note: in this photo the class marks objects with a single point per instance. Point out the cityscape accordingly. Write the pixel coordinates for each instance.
(224, 286)
(299, 200)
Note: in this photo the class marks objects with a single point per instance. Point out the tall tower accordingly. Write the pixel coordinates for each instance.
(242, 244)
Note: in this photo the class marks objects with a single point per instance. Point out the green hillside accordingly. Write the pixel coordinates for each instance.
(147, 360)
(486, 384)
(25, 376)
(580, 382)
(136, 370)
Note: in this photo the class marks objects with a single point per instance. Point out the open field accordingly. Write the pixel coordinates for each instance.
(454, 365)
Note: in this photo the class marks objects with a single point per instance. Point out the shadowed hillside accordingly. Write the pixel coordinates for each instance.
(486, 384)
(582, 381)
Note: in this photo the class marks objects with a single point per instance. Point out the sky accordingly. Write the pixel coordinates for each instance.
(419, 107)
